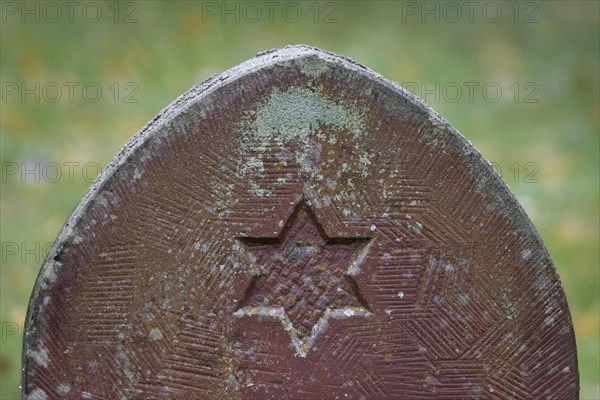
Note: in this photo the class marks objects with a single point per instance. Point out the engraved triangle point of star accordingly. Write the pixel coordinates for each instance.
(303, 277)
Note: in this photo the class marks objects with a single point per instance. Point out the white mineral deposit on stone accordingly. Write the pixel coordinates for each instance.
(40, 356)
(63, 389)
(156, 334)
(37, 394)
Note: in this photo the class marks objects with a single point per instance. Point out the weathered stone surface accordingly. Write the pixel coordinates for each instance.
(299, 228)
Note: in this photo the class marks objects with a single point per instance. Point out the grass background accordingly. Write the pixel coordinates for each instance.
(173, 46)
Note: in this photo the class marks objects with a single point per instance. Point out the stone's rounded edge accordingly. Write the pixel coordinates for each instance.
(194, 95)
(167, 114)
(502, 194)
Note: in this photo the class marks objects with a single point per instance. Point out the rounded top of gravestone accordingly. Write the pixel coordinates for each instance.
(299, 227)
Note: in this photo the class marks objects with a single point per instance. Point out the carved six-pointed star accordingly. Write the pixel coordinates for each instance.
(303, 278)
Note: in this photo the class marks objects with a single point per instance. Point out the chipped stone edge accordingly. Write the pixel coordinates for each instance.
(195, 95)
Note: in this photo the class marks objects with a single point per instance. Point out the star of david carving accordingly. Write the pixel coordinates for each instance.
(303, 278)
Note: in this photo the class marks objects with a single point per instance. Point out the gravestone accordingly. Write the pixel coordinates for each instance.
(299, 228)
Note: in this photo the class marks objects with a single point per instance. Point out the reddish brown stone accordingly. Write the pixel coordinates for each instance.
(299, 228)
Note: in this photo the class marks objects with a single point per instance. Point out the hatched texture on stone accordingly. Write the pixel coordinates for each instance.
(299, 228)
(303, 278)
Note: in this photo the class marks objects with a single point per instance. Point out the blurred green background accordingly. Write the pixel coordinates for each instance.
(542, 132)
